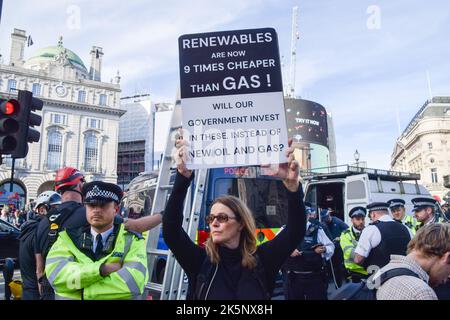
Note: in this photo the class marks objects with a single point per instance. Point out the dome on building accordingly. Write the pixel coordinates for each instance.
(55, 53)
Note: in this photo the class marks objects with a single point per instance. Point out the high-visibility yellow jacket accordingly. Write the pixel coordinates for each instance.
(411, 223)
(74, 275)
(348, 244)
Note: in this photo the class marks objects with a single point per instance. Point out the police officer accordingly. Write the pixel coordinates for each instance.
(101, 260)
(424, 210)
(335, 227)
(71, 214)
(304, 271)
(349, 240)
(381, 238)
(397, 207)
(446, 209)
(313, 217)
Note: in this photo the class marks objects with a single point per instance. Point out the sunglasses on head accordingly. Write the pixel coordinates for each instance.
(222, 217)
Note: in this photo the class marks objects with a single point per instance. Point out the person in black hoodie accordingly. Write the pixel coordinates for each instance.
(231, 266)
(44, 203)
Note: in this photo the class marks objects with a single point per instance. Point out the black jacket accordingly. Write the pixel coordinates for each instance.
(231, 280)
(27, 259)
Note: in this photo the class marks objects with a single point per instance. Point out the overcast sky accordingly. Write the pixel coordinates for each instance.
(365, 61)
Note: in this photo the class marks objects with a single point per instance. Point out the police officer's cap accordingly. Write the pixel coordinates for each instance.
(396, 203)
(377, 206)
(422, 203)
(357, 212)
(99, 192)
(324, 213)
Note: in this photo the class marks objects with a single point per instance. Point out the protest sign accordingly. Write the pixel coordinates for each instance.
(232, 98)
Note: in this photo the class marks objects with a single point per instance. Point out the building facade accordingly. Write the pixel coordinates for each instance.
(424, 146)
(80, 117)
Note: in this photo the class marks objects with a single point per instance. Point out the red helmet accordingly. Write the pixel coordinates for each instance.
(67, 177)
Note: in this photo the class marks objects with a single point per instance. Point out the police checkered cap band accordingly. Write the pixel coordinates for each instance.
(377, 208)
(358, 212)
(396, 204)
(96, 192)
(310, 210)
(423, 204)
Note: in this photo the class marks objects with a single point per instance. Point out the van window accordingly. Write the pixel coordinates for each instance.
(356, 190)
(138, 203)
(386, 186)
(265, 198)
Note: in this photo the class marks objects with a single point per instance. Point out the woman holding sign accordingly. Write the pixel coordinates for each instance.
(231, 266)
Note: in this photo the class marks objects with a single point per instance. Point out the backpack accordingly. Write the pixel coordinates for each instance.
(362, 291)
(57, 219)
(28, 229)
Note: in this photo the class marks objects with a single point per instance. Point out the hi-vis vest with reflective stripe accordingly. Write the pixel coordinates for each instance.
(73, 275)
(348, 244)
(411, 224)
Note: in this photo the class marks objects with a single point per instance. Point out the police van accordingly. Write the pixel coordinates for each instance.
(136, 203)
(346, 187)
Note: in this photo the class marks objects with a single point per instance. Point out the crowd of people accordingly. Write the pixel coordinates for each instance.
(78, 246)
(13, 216)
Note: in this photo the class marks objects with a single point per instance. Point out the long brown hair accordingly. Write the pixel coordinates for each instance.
(247, 241)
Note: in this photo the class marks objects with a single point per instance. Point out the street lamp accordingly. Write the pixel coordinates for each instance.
(356, 156)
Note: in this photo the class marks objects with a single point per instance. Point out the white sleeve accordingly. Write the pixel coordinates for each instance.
(329, 246)
(370, 238)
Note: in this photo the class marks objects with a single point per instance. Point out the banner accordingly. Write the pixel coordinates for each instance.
(9, 198)
(232, 98)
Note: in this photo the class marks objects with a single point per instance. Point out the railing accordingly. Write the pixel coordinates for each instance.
(347, 170)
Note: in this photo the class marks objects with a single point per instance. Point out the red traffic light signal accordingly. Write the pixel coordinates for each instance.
(9, 125)
(9, 107)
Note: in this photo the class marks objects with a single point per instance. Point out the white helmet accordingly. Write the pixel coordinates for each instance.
(48, 198)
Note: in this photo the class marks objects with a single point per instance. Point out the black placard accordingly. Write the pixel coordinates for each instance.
(229, 63)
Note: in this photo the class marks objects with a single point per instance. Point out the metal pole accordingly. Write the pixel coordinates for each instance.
(12, 175)
(1, 5)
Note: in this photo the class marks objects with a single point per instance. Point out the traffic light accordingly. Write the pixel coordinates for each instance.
(26, 121)
(9, 109)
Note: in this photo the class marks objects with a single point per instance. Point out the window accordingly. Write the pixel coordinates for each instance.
(430, 145)
(102, 100)
(82, 96)
(36, 89)
(93, 123)
(58, 118)
(90, 153)
(54, 150)
(356, 190)
(434, 176)
(18, 202)
(11, 84)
